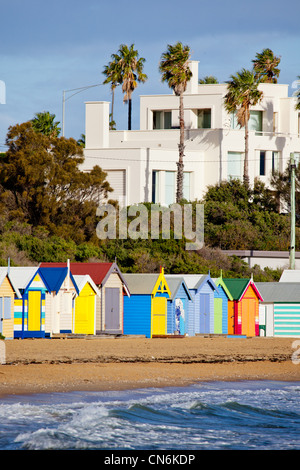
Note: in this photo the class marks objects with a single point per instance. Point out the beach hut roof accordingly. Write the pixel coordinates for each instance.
(20, 276)
(174, 284)
(279, 291)
(82, 279)
(195, 281)
(220, 282)
(141, 283)
(99, 272)
(238, 286)
(3, 274)
(54, 277)
(290, 275)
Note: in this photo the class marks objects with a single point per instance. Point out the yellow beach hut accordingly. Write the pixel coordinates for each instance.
(84, 312)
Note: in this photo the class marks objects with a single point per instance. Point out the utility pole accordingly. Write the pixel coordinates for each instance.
(293, 213)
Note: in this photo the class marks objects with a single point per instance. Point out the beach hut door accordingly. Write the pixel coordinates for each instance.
(1, 314)
(112, 309)
(204, 313)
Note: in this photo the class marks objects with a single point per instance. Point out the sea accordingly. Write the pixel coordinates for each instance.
(243, 415)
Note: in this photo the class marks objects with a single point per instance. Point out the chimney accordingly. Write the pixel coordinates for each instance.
(96, 124)
(192, 85)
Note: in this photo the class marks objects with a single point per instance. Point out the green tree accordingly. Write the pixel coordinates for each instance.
(112, 72)
(265, 66)
(45, 124)
(41, 179)
(242, 93)
(175, 70)
(208, 79)
(130, 69)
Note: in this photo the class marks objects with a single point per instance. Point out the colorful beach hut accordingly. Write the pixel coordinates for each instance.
(177, 306)
(112, 286)
(201, 309)
(29, 305)
(243, 310)
(221, 298)
(145, 311)
(8, 293)
(60, 296)
(84, 312)
(279, 312)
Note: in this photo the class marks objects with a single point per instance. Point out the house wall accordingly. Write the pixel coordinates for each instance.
(221, 294)
(137, 315)
(8, 323)
(266, 319)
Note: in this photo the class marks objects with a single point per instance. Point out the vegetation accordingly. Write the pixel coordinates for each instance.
(265, 66)
(242, 93)
(126, 68)
(112, 73)
(298, 96)
(209, 79)
(175, 70)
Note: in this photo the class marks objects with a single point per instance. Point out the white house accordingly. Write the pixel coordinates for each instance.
(141, 164)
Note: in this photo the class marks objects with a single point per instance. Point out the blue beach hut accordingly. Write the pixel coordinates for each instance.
(178, 306)
(201, 308)
(145, 311)
(221, 297)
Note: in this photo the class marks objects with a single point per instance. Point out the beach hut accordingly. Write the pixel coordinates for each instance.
(112, 287)
(243, 310)
(145, 311)
(60, 296)
(8, 293)
(221, 298)
(29, 304)
(177, 306)
(84, 312)
(201, 309)
(279, 312)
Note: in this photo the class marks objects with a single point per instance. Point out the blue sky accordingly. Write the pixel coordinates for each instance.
(48, 47)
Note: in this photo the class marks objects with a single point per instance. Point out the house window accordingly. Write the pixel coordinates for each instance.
(262, 163)
(169, 193)
(234, 164)
(254, 123)
(204, 118)
(169, 187)
(275, 162)
(162, 120)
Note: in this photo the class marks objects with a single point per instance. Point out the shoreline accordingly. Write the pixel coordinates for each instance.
(103, 364)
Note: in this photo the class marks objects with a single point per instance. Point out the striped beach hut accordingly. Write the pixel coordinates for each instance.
(279, 313)
(84, 312)
(145, 311)
(112, 287)
(29, 305)
(221, 298)
(177, 306)
(243, 310)
(8, 293)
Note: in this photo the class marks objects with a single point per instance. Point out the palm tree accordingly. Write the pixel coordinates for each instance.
(131, 71)
(44, 123)
(266, 66)
(242, 92)
(113, 76)
(208, 79)
(175, 70)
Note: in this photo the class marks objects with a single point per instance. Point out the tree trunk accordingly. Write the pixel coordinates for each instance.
(179, 193)
(246, 161)
(129, 114)
(112, 106)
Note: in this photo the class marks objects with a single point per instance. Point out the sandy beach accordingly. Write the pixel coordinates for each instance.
(107, 363)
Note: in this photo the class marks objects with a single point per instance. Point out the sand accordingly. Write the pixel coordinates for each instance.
(119, 363)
